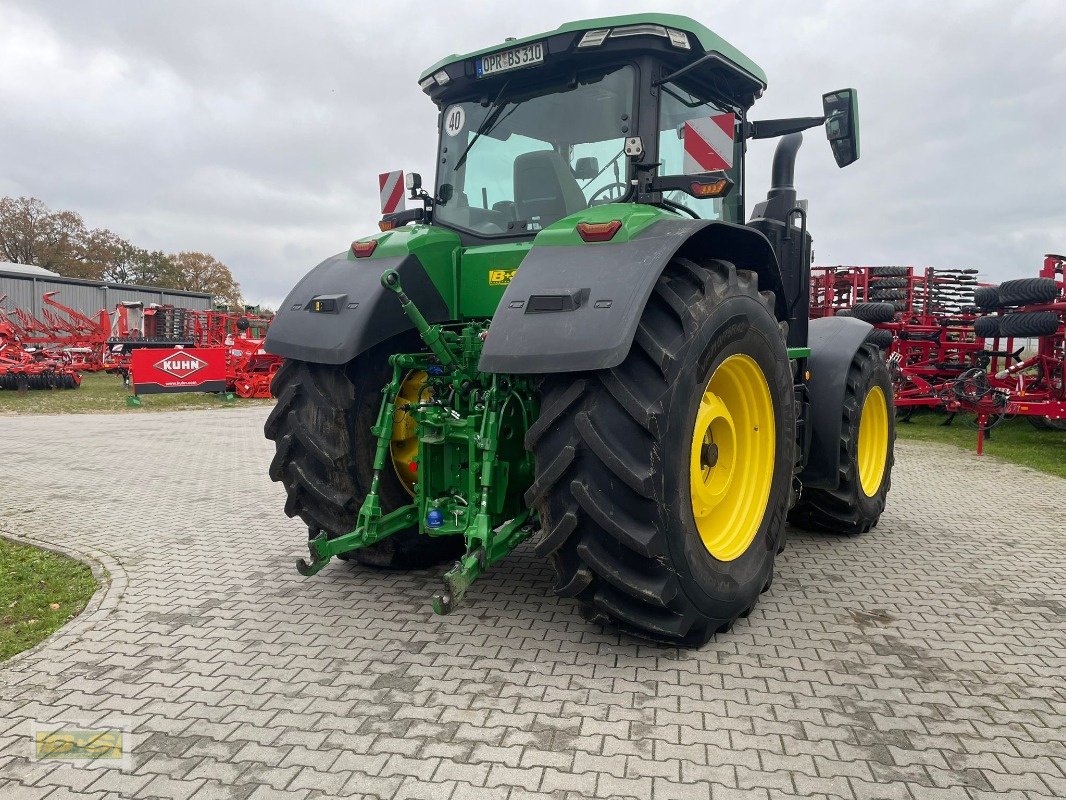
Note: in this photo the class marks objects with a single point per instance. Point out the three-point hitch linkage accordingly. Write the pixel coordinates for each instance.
(471, 463)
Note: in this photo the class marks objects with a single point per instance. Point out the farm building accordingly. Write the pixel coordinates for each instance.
(24, 284)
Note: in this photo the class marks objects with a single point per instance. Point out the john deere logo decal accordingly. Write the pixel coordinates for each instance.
(180, 365)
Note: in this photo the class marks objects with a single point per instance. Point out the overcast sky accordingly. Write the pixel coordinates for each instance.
(255, 130)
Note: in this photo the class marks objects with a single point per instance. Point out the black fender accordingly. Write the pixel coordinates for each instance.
(834, 341)
(572, 308)
(363, 313)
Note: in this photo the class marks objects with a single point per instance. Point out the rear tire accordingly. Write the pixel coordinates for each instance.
(614, 473)
(856, 504)
(324, 456)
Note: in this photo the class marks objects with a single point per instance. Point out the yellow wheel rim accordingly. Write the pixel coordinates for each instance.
(731, 465)
(404, 445)
(873, 441)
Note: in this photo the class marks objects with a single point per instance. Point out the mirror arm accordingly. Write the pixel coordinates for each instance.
(769, 128)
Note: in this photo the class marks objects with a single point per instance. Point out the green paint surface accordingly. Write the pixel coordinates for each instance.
(707, 39)
(435, 247)
(633, 216)
(484, 272)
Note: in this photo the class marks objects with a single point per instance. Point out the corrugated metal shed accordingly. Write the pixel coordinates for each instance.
(24, 289)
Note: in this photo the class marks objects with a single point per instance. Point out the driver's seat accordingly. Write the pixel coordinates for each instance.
(545, 188)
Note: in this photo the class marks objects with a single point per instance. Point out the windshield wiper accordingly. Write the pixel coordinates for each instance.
(486, 125)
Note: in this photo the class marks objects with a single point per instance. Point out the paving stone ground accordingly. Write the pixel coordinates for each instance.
(924, 660)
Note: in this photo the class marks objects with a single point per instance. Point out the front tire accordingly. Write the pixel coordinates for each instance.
(867, 436)
(620, 454)
(324, 455)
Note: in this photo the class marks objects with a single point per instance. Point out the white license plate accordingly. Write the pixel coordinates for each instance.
(525, 56)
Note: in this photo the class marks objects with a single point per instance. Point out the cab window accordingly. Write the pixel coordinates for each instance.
(676, 108)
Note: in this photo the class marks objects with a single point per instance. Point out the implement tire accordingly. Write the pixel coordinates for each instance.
(1028, 324)
(874, 312)
(880, 338)
(893, 272)
(987, 297)
(703, 401)
(867, 435)
(324, 456)
(986, 327)
(1027, 291)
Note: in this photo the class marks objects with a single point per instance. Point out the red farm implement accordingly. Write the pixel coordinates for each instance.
(24, 365)
(51, 349)
(1026, 375)
(249, 369)
(958, 346)
(923, 320)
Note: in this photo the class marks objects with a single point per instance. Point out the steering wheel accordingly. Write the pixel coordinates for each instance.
(610, 187)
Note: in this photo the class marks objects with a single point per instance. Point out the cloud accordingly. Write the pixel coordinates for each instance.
(255, 130)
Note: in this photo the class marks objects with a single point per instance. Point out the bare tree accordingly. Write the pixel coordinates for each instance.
(31, 233)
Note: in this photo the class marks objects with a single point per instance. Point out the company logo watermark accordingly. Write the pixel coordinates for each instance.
(82, 745)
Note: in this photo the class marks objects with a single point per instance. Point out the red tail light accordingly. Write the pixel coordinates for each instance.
(598, 231)
(364, 249)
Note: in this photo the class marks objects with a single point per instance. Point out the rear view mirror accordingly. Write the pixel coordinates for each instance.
(841, 110)
(585, 169)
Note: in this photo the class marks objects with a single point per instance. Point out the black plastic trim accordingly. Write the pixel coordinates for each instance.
(834, 341)
(368, 316)
(620, 278)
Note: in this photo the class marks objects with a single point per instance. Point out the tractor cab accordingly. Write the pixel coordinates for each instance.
(551, 125)
(648, 108)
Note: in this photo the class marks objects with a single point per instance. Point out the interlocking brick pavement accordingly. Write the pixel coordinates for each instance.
(924, 660)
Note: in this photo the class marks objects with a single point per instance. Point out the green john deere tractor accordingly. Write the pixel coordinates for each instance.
(576, 337)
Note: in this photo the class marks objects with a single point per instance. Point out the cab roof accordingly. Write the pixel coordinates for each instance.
(706, 42)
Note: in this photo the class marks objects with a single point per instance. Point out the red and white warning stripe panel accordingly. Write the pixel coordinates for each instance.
(390, 185)
(709, 143)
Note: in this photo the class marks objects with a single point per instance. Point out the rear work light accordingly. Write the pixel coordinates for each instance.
(678, 39)
(594, 38)
(598, 231)
(364, 249)
(643, 29)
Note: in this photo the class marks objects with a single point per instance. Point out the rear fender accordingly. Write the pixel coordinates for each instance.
(834, 341)
(365, 313)
(576, 307)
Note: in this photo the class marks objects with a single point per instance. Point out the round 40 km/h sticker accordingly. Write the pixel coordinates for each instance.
(454, 120)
